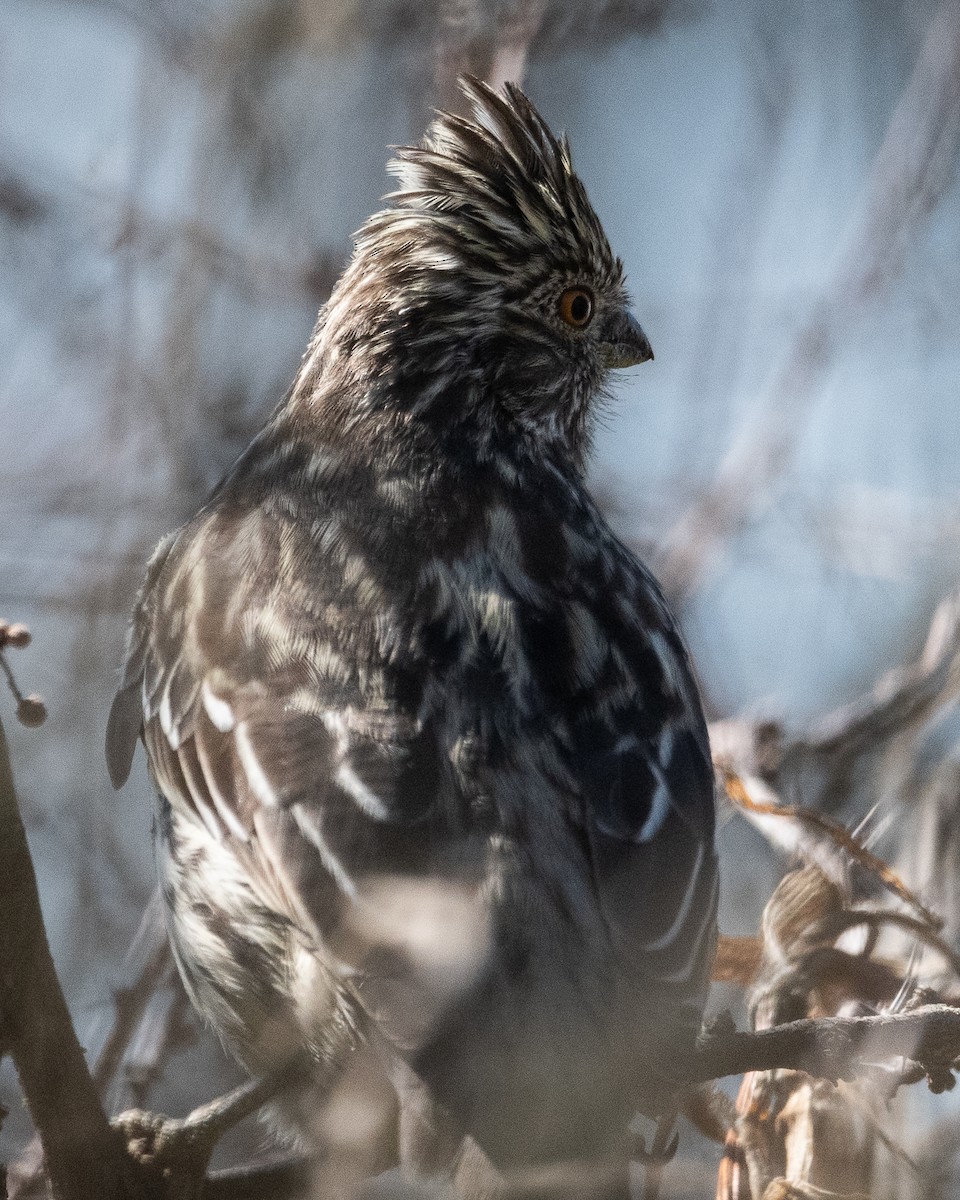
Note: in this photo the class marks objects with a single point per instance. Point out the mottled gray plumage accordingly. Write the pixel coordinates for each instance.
(399, 672)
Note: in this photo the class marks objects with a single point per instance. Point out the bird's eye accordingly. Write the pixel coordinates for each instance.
(576, 307)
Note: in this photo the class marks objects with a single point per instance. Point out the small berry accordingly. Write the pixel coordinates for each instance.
(31, 711)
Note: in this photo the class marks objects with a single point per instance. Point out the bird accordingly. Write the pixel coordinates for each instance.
(431, 763)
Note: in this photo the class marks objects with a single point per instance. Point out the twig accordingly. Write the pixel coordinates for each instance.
(167, 1025)
(148, 960)
(833, 1047)
(30, 709)
(902, 698)
(661, 1152)
(83, 1159)
(824, 756)
(282, 1180)
(837, 923)
(126, 226)
(508, 63)
(131, 999)
(495, 52)
(837, 834)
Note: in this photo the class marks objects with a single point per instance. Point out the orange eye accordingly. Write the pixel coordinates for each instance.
(576, 307)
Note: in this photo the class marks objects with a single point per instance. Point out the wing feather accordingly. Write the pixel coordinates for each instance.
(249, 733)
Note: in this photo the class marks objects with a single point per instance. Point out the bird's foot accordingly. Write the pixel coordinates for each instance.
(168, 1156)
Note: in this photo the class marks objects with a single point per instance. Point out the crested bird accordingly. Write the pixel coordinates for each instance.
(431, 763)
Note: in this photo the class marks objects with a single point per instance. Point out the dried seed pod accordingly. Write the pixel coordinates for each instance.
(17, 636)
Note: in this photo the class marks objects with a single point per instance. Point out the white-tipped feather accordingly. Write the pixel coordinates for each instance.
(219, 711)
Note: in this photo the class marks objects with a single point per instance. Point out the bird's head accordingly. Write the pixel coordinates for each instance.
(486, 294)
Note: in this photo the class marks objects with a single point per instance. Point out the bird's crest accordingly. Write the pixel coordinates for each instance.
(501, 185)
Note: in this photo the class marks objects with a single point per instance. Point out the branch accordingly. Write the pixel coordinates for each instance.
(901, 699)
(173, 1153)
(83, 1157)
(835, 1047)
(494, 48)
(121, 1082)
(821, 763)
(508, 63)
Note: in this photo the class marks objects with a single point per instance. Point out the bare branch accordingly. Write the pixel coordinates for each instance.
(147, 966)
(835, 1047)
(902, 699)
(83, 1157)
(508, 63)
(495, 51)
(279, 1180)
(825, 755)
(127, 226)
(834, 833)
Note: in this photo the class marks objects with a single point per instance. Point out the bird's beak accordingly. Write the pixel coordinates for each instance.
(624, 344)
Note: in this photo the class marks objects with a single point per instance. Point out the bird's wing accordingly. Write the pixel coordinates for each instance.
(649, 792)
(650, 816)
(263, 724)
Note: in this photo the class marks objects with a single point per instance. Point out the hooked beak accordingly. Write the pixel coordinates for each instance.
(624, 344)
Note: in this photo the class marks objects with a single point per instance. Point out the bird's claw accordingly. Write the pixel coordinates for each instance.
(169, 1155)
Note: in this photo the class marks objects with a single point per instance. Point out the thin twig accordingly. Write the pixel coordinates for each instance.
(281, 1180)
(838, 923)
(497, 53)
(823, 758)
(901, 699)
(834, 832)
(128, 227)
(661, 1152)
(131, 999)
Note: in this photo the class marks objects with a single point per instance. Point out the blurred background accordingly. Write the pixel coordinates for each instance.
(179, 180)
